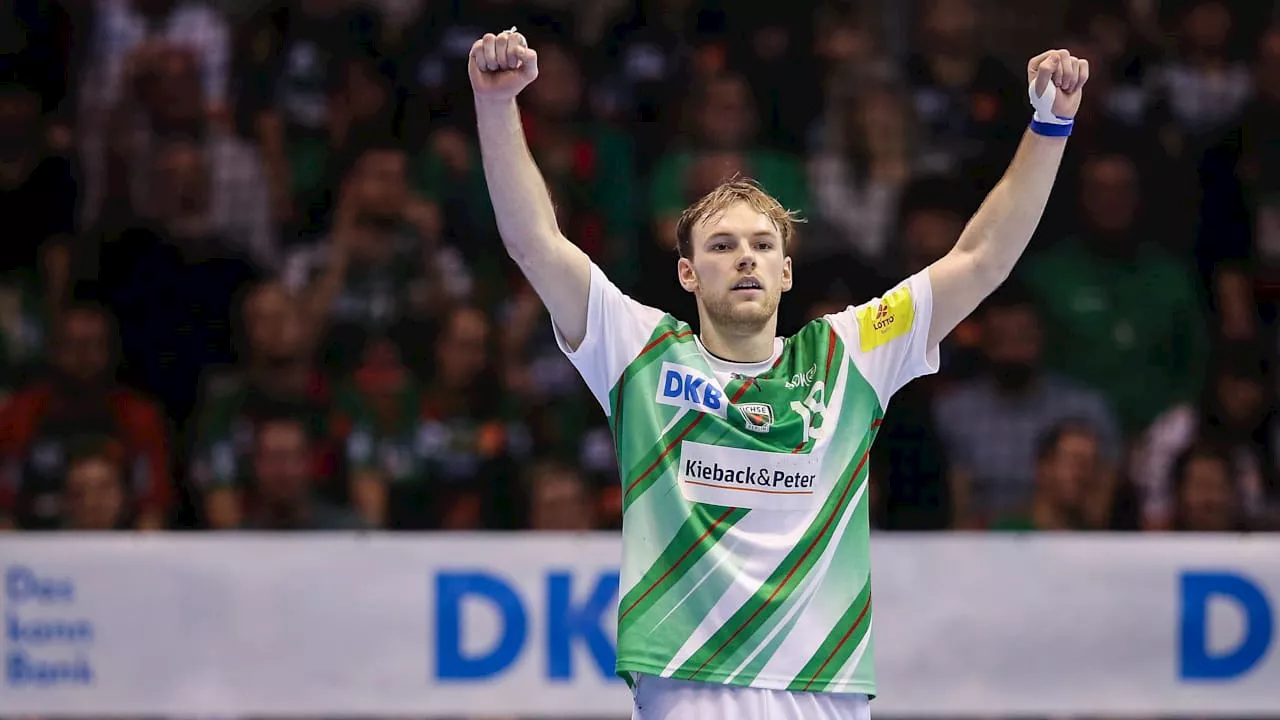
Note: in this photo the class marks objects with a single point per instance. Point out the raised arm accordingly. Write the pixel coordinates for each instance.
(500, 67)
(998, 233)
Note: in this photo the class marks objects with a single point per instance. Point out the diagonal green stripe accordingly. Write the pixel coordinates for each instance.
(838, 645)
(741, 648)
(704, 432)
(616, 406)
(704, 527)
(657, 463)
(746, 622)
(671, 331)
(752, 669)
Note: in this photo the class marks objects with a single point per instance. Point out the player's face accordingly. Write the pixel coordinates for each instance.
(738, 269)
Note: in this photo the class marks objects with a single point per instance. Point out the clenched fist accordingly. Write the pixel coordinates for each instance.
(501, 65)
(1063, 75)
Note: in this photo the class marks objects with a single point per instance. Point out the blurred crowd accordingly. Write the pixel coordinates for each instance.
(250, 277)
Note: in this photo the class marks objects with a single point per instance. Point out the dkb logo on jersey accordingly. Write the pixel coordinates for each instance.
(685, 387)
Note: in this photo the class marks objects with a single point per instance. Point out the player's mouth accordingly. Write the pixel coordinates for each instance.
(747, 285)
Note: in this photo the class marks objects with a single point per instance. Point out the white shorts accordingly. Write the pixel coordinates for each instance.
(659, 698)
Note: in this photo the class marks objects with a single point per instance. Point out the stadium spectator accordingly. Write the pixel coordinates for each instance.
(47, 37)
(283, 497)
(37, 202)
(94, 493)
(648, 55)
(537, 373)
(1069, 464)
(991, 424)
(1122, 119)
(363, 104)
(172, 278)
(722, 143)
(1122, 42)
(1206, 492)
(418, 426)
(237, 207)
(1239, 239)
(588, 165)
(131, 33)
(559, 499)
(1204, 84)
(550, 395)
(288, 56)
(383, 267)
(1113, 300)
(131, 39)
(276, 371)
(79, 401)
(384, 388)
(969, 103)
(851, 51)
(911, 473)
(443, 442)
(220, 195)
(773, 45)
(865, 160)
(468, 434)
(1237, 414)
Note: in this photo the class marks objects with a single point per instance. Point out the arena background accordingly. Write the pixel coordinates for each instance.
(284, 434)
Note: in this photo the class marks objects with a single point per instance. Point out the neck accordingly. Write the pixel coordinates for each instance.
(270, 376)
(1047, 515)
(749, 346)
(285, 513)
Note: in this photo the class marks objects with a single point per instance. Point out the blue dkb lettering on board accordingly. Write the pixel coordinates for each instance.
(1195, 659)
(567, 624)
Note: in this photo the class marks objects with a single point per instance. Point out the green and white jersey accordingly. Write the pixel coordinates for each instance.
(746, 557)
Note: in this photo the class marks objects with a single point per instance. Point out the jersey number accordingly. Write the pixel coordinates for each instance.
(812, 411)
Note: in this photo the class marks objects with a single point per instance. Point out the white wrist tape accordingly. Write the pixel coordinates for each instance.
(1043, 104)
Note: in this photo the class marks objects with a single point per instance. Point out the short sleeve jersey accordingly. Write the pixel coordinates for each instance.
(746, 532)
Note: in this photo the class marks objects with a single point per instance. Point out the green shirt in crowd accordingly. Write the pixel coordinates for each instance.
(1131, 327)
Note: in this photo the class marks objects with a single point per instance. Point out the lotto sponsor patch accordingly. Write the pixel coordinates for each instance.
(889, 319)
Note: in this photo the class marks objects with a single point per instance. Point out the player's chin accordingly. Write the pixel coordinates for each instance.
(756, 310)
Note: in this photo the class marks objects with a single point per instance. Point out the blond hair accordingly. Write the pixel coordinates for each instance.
(732, 191)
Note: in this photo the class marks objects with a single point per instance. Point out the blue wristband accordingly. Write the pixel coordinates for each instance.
(1051, 129)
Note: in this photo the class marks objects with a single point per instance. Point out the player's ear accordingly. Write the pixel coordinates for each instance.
(786, 273)
(685, 273)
